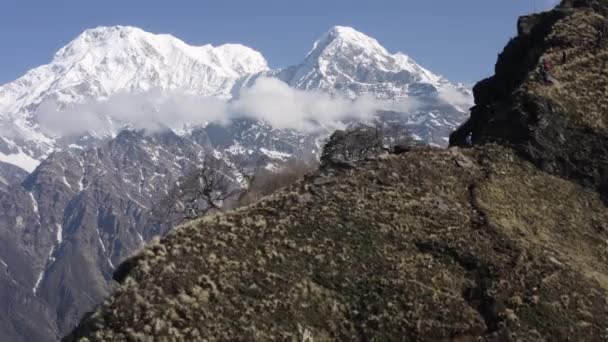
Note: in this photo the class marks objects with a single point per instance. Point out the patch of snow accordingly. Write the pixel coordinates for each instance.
(65, 181)
(141, 238)
(271, 167)
(37, 285)
(217, 154)
(21, 160)
(3, 263)
(141, 180)
(103, 247)
(134, 201)
(34, 204)
(59, 233)
(275, 154)
(236, 148)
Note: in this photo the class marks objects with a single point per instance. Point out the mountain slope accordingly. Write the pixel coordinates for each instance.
(505, 240)
(344, 57)
(429, 245)
(106, 60)
(80, 213)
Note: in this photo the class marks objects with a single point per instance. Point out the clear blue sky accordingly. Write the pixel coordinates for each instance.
(458, 39)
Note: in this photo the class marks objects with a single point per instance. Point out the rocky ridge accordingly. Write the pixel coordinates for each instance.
(560, 127)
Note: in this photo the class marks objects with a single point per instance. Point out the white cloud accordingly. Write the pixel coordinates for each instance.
(151, 111)
(456, 97)
(284, 107)
(268, 99)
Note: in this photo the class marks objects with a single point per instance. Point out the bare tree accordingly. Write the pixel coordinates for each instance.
(204, 190)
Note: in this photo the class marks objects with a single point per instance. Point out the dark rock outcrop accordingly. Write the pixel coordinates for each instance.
(9, 175)
(560, 127)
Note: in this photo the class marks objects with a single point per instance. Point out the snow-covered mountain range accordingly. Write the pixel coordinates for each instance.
(108, 60)
(105, 61)
(72, 206)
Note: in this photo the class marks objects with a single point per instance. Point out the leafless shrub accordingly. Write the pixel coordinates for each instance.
(206, 189)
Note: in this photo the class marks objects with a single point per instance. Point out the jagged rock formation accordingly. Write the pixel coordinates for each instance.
(561, 127)
(10, 174)
(497, 242)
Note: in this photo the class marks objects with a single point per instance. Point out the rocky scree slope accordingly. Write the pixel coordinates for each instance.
(458, 244)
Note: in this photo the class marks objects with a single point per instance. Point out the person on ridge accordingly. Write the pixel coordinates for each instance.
(544, 71)
(546, 66)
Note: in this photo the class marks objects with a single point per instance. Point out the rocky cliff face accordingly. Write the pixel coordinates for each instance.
(506, 240)
(561, 127)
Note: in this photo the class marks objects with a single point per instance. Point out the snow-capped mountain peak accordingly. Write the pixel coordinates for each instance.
(106, 60)
(344, 36)
(344, 56)
(231, 59)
